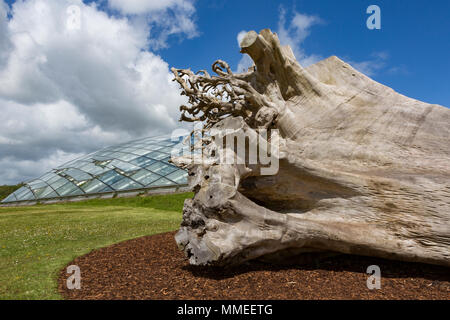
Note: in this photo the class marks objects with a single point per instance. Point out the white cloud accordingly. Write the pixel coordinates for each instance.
(245, 62)
(292, 34)
(17, 171)
(5, 44)
(146, 6)
(162, 18)
(241, 36)
(372, 66)
(295, 32)
(398, 70)
(66, 92)
(37, 138)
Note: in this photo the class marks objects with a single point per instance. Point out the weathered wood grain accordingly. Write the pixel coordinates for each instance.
(362, 168)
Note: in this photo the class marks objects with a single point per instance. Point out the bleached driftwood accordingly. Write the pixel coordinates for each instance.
(362, 169)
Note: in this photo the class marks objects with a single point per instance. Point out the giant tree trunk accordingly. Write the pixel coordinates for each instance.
(362, 169)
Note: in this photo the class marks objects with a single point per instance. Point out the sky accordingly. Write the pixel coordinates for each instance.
(76, 76)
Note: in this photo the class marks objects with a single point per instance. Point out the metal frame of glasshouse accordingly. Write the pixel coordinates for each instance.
(136, 167)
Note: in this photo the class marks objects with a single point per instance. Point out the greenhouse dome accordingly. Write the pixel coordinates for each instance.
(140, 166)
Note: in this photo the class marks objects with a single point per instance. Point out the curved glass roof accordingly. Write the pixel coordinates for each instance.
(140, 164)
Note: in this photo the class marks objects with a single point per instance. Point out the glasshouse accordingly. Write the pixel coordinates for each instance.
(134, 167)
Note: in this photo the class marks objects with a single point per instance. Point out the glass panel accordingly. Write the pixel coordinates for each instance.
(39, 193)
(140, 145)
(51, 195)
(28, 196)
(24, 194)
(153, 147)
(125, 166)
(78, 174)
(48, 193)
(79, 163)
(156, 155)
(106, 189)
(93, 186)
(67, 189)
(93, 169)
(167, 169)
(74, 163)
(166, 160)
(167, 150)
(145, 177)
(54, 178)
(20, 191)
(142, 161)
(47, 176)
(128, 157)
(166, 143)
(129, 150)
(118, 148)
(75, 192)
(100, 158)
(111, 177)
(106, 154)
(140, 152)
(68, 164)
(37, 184)
(10, 198)
(59, 183)
(118, 155)
(161, 168)
(179, 176)
(161, 182)
(126, 184)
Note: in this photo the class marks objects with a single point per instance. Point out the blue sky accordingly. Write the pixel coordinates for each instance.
(65, 92)
(414, 39)
(415, 36)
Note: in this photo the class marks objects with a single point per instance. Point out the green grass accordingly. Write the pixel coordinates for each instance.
(36, 242)
(7, 190)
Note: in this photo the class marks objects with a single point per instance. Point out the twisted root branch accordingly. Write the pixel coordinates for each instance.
(213, 98)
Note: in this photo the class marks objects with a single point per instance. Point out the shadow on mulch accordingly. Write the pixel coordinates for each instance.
(338, 263)
(153, 268)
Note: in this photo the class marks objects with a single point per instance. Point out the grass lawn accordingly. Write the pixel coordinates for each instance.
(36, 242)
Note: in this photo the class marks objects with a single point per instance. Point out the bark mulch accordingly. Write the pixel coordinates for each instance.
(153, 268)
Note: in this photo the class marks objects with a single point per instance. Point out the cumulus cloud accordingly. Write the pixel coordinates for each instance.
(5, 43)
(163, 18)
(291, 33)
(295, 32)
(145, 6)
(241, 36)
(16, 171)
(245, 62)
(67, 89)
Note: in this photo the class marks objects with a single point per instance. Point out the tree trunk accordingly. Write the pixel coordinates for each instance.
(362, 169)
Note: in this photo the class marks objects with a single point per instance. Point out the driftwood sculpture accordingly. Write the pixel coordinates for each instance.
(362, 169)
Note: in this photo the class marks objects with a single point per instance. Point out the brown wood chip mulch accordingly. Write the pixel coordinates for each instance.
(153, 268)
